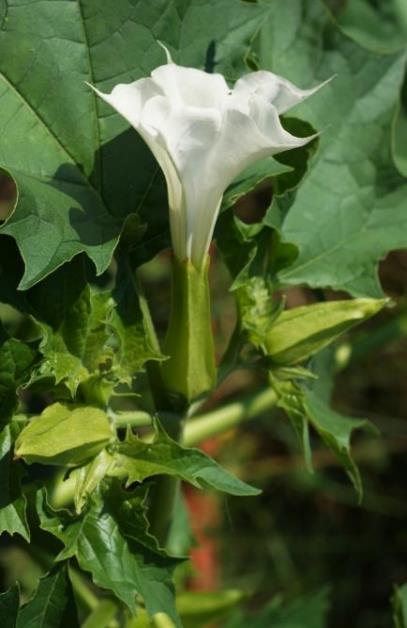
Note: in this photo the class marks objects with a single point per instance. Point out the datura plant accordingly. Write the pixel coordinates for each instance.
(113, 158)
(203, 134)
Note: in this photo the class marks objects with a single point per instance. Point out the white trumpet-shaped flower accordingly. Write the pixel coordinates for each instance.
(203, 134)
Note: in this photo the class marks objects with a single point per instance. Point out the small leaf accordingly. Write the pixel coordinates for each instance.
(137, 460)
(53, 604)
(13, 504)
(89, 477)
(302, 331)
(64, 435)
(336, 431)
(9, 603)
(110, 540)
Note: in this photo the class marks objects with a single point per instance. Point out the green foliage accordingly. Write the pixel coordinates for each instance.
(53, 603)
(75, 166)
(345, 225)
(9, 603)
(85, 431)
(87, 188)
(136, 460)
(111, 541)
(13, 518)
(15, 360)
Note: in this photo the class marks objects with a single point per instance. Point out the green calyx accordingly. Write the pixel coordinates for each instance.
(190, 370)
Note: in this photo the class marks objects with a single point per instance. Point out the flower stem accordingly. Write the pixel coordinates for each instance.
(231, 415)
(208, 424)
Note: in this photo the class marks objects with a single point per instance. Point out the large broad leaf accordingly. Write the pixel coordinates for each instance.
(380, 26)
(12, 502)
(137, 460)
(350, 210)
(111, 541)
(79, 170)
(53, 604)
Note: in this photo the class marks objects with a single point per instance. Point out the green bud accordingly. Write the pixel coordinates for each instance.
(302, 331)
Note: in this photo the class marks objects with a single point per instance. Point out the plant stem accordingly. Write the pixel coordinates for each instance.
(162, 495)
(231, 415)
(211, 423)
(136, 418)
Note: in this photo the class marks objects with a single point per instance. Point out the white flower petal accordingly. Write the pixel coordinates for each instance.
(188, 135)
(277, 90)
(190, 86)
(129, 98)
(203, 135)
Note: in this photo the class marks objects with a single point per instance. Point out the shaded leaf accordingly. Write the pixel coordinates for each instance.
(16, 358)
(13, 517)
(9, 603)
(53, 604)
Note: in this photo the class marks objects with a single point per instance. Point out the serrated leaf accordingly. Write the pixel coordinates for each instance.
(9, 603)
(300, 332)
(336, 431)
(350, 210)
(64, 435)
(130, 323)
(110, 540)
(52, 605)
(80, 171)
(137, 460)
(13, 504)
(75, 340)
(305, 403)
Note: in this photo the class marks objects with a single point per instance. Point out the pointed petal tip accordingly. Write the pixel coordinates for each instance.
(167, 52)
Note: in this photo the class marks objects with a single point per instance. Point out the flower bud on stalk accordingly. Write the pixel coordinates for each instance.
(203, 134)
